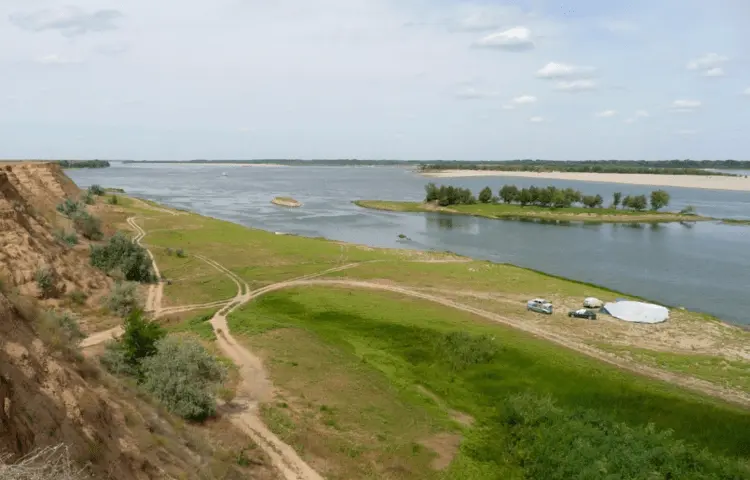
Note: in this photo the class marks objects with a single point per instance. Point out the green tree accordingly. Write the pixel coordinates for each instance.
(659, 199)
(598, 201)
(431, 192)
(525, 197)
(96, 190)
(572, 196)
(183, 376)
(509, 193)
(558, 199)
(122, 253)
(627, 202)
(639, 203)
(589, 201)
(616, 199)
(140, 338)
(485, 196)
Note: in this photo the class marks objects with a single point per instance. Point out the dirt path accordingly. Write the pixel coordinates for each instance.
(155, 290)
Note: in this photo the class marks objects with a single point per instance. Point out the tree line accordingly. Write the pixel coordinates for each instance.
(550, 197)
(674, 167)
(83, 163)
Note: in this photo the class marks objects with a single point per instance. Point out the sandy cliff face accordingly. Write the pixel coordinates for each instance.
(29, 194)
(49, 395)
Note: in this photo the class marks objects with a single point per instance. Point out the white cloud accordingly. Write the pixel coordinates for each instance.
(472, 93)
(707, 62)
(685, 106)
(619, 26)
(536, 119)
(686, 132)
(606, 114)
(575, 86)
(54, 59)
(642, 113)
(555, 70)
(69, 21)
(525, 100)
(516, 39)
(714, 72)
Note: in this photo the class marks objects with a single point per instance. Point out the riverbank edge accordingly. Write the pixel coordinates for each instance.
(708, 317)
(703, 182)
(417, 207)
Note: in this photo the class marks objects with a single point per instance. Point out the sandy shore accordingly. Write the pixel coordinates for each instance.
(739, 184)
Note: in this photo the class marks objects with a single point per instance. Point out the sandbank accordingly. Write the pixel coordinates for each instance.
(739, 184)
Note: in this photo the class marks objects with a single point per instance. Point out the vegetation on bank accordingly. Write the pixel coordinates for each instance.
(546, 203)
(123, 255)
(663, 167)
(541, 411)
(549, 197)
(89, 226)
(83, 163)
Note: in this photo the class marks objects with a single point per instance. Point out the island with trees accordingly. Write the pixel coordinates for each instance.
(542, 203)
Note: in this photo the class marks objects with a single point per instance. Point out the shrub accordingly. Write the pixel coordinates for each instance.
(60, 330)
(180, 253)
(87, 198)
(78, 297)
(544, 441)
(122, 300)
(169, 251)
(121, 253)
(659, 199)
(69, 239)
(113, 200)
(140, 338)
(87, 225)
(96, 190)
(689, 210)
(46, 280)
(485, 196)
(183, 376)
(461, 349)
(114, 359)
(69, 208)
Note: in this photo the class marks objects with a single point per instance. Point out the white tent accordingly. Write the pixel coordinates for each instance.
(637, 312)
(592, 302)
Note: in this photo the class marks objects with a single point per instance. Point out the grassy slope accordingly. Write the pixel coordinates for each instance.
(505, 211)
(263, 258)
(394, 337)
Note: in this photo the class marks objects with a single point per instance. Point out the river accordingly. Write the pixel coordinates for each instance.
(703, 267)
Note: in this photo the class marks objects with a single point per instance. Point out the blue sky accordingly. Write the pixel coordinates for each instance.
(411, 79)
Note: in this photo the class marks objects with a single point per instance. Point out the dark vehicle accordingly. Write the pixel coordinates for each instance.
(583, 313)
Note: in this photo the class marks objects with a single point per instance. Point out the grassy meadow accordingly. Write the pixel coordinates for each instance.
(375, 384)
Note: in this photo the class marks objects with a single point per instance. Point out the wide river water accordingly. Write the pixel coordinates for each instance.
(703, 267)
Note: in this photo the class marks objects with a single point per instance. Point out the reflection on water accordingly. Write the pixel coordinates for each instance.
(703, 266)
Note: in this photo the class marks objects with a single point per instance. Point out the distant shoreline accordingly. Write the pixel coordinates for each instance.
(738, 184)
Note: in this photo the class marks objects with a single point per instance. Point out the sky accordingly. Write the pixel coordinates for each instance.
(375, 79)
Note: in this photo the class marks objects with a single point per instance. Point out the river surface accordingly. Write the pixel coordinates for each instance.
(703, 267)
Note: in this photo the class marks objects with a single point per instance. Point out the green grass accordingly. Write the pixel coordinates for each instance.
(719, 370)
(399, 338)
(514, 212)
(193, 280)
(198, 324)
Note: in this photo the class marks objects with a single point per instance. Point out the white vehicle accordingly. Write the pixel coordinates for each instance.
(539, 305)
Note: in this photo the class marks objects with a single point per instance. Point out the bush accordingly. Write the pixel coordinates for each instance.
(114, 359)
(461, 349)
(180, 253)
(46, 281)
(69, 239)
(96, 190)
(659, 199)
(69, 208)
(121, 253)
(113, 200)
(78, 297)
(183, 376)
(140, 338)
(87, 225)
(87, 198)
(544, 441)
(689, 210)
(485, 196)
(122, 300)
(60, 330)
